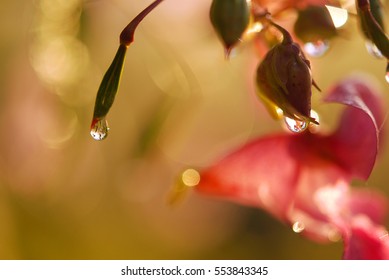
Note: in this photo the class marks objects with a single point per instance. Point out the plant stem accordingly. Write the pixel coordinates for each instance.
(127, 35)
(287, 38)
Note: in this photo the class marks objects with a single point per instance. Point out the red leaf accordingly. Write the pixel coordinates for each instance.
(366, 241)
(355, 142)
(261, 174)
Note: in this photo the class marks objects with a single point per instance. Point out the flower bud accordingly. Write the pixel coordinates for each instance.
(371, 20)
(109, 85)
(284, 81)
(313, 24)
(230, 18)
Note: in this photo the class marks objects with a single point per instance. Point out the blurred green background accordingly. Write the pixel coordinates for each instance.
(180, 104)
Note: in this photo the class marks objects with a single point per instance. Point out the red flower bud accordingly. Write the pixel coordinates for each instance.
(284, 80)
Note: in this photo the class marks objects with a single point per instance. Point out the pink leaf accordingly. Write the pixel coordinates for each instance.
(366, 241)
(369, 203)
(261, 174)
(355, 142)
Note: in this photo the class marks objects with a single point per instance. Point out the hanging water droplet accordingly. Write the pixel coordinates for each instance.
(99, 129)
(373, 50)
(317, 49)
(298, 227)
(295, 125)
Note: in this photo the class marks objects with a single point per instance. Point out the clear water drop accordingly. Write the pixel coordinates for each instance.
(298, 227)
(373, 50)
(316, 49)
(295, 125)
(99, 129)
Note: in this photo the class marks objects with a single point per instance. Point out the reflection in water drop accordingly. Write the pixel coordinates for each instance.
(99, 129)
(316, 49)
(373, 50)
(298, 227)
(295, 125)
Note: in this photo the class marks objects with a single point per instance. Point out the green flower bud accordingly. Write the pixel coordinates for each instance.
(313, 24)
(284, 81)
(109, 85)
(230, 18)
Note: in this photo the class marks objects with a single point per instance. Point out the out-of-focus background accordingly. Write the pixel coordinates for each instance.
(180, 105)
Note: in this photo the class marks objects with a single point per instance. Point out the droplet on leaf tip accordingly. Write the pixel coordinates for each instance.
(99, 129)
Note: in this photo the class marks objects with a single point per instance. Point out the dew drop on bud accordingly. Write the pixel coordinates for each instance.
(295, 125)
(99, 129)
(298, 227)
(316, 49)
(373, 50)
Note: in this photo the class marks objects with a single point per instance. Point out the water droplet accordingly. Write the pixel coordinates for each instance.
(99, 129)
(373, 50)
(387, 73)
(295, 125)
(316, 49)
(298, 227)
